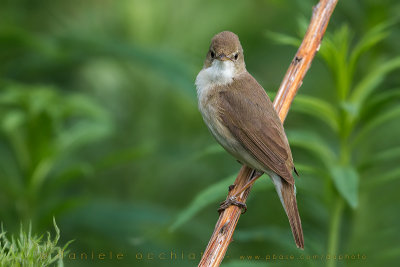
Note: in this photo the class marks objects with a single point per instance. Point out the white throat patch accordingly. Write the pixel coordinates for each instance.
(220, 73)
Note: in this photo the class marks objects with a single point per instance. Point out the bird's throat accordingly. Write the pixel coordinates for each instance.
(219, 73)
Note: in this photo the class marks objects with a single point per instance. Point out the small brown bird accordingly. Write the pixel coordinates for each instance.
(240, 115)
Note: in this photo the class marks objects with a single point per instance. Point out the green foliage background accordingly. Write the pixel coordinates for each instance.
(100, 128)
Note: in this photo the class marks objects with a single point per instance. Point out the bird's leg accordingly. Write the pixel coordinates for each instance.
(254, 176)
(232, 200)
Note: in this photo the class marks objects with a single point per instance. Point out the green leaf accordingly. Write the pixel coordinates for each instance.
(370, 39)
(371, 81)
(393, 113)
(12, 121)
(283, 39)
(377, 102)
(211, 194)
(387, 154)
(305, 168)
(41, 171)
(82, 105)
(312, 142)
(334, 51)
(384, 178)
(346, 180)
(276, 235)
(119, 220)
(165, 64)
(328, 53)
(126, 155)
(81, 134)
(317, 108)
(211, 149)
(382, 156)
(302, 22)
(385, 97)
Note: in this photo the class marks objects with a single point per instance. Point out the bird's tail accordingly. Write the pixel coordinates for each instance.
(287, 195)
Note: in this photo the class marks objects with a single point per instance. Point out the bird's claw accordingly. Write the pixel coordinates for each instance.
(232, 201)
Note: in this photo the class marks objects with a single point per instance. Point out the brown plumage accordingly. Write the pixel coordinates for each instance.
(258, 129)
(289, 198)
(242, 118)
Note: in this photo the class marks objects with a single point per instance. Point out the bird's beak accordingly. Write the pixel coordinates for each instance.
(222, 57)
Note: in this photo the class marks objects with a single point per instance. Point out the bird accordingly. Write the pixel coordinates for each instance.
(241, 117)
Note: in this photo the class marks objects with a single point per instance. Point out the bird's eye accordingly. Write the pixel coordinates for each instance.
(212, 54)
(236, 56)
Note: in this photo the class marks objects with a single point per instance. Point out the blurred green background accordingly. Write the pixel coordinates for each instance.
(100, 129)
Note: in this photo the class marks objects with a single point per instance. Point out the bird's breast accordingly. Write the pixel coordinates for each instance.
(208, 106)
(208, 100)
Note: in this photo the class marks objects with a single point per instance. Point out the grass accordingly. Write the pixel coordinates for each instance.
(31, 250)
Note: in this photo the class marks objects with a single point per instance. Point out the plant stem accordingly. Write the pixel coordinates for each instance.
(334, 230)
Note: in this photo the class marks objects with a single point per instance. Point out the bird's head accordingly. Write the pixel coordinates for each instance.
(226, 51)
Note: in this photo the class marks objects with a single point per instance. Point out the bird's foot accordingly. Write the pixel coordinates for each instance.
(232, 201)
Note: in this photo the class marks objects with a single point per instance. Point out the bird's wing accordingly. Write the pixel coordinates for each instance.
(251, 118)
